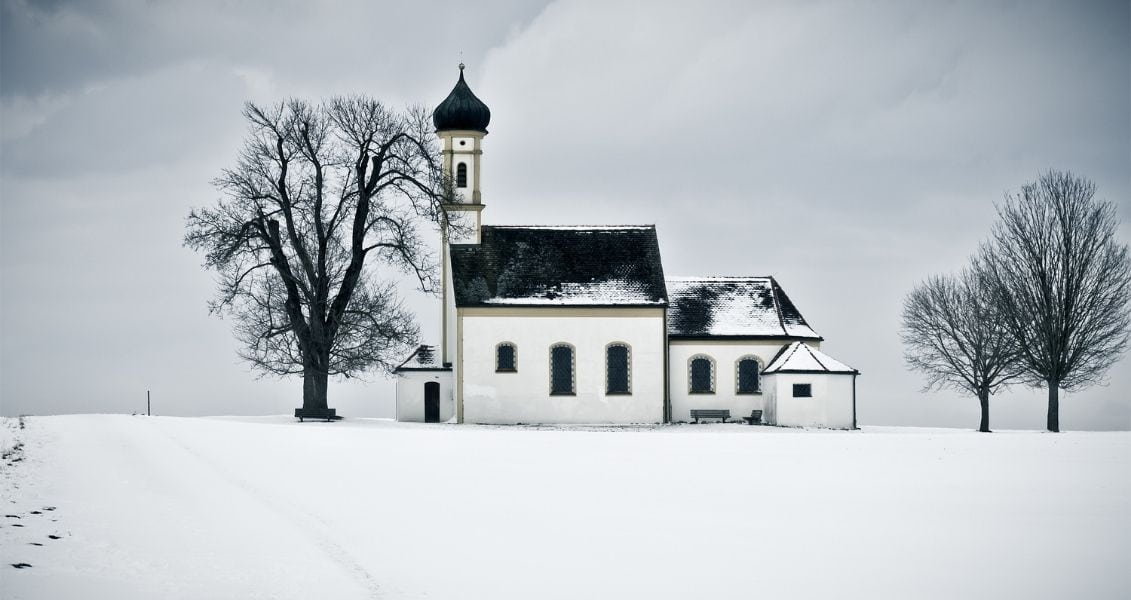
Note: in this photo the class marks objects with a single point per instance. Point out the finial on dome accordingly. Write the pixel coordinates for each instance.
(461, 110)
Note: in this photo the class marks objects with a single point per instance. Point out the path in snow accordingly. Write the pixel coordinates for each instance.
(269, 508)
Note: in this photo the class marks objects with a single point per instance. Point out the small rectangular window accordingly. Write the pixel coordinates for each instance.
(802, 390)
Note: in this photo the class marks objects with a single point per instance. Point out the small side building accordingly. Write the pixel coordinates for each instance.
(805, 387)
(424, 388)
(722, 334)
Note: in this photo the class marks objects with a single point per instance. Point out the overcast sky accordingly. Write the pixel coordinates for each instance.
(848, 148)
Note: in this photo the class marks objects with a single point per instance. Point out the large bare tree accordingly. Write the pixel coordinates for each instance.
(1061, 282)
(322, 197)
(953, 335)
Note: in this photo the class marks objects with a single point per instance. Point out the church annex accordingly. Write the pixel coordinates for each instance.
(578, 324)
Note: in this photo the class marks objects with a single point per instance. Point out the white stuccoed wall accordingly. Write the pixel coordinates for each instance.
(726, 354)
(524, 396)
(410, 395)
(830, 406)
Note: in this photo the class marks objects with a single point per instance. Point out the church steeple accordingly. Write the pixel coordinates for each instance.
(462, 110)
(461, 122)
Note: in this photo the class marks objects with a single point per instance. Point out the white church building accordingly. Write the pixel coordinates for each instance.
(564, 324)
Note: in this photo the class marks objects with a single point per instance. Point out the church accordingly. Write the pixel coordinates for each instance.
(548, 324)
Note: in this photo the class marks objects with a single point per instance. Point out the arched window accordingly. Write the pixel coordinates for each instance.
(618, 372)
(701, 374)
(506, 358)
(747, 374)
(461, 175)
(561, 370)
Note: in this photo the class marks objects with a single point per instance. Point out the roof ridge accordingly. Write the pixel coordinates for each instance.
(774, 287)
(816, 358)
(790, 350)
(718, 277)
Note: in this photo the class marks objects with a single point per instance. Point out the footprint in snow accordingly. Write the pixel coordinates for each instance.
(12, 516)
(35, 543)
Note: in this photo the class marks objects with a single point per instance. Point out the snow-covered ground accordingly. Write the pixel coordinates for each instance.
(268, 508)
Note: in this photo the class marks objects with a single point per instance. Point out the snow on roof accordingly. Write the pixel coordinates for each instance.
(575, 227)
(424, 358)
(560, 265)
(800, 357)
(733, 307)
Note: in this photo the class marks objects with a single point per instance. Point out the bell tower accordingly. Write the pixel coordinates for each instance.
(461, 122)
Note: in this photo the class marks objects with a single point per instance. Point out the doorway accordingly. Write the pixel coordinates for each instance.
(431, 402)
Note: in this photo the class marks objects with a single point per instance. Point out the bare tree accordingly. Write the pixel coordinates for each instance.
(321, 197)
(1061, 281)
(952, 334)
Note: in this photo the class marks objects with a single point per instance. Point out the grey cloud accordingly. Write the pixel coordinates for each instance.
(848, 149)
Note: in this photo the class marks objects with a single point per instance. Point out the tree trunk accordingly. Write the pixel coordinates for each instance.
(984, 400)
(1054, 406)
(314, 382)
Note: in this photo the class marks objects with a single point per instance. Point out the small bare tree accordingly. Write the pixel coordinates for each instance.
(321, 197)
(952, 334)
(1061, 282)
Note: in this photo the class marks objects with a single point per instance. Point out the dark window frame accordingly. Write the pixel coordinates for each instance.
(802, 390)
(757, 376)
(627, 391)
(514, 358)
(461, 175)
(691, 388)
(572, 369)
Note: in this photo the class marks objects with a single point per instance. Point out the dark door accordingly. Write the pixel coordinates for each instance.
(431, 402)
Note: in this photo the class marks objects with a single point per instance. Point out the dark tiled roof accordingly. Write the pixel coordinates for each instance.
(569, 266)
(424, 358)
(461, 110)
(733, 307)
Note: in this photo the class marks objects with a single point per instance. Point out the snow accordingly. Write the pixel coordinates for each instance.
(163, 507)
(800, 356)
(606, 292)
(731, 306)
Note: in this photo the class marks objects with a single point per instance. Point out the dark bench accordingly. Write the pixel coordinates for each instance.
(754, 418)
(328, 414)
(710, 414)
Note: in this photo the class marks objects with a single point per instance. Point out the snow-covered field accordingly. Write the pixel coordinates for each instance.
(268, 508)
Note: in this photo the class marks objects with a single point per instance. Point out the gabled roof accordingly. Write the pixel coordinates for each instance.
(800, 357)
(733, 307)
(560, 266)
(424, 358)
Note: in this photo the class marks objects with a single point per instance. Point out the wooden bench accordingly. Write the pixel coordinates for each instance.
(710, 414)
(755, 417)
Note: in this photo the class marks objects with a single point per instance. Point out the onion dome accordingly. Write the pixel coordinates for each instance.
(461, 110)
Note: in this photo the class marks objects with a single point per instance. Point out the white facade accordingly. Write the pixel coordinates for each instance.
(524, 396)
(410, 395)
(832, 402)
(725, 355)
